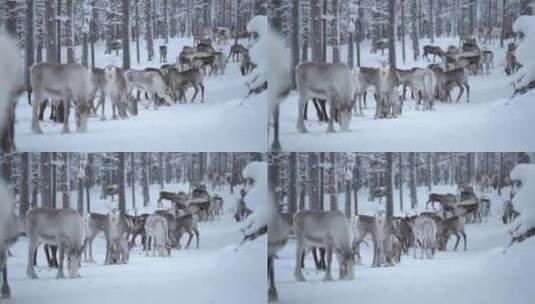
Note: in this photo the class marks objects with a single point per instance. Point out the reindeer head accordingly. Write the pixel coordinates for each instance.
(344, 109)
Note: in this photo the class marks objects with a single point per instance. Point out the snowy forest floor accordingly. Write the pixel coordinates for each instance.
(482, 274)
(215, 273)
(225, 122)
(490, 122)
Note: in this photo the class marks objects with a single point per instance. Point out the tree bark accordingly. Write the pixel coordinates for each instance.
(389, 186)
(126, 34)
(121, 177)
(333, 187)
(412, 179)
(145, 179)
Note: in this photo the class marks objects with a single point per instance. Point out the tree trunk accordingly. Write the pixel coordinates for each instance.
(165, 22)
(46, 180)
(50, 15)
(356, 182)
(392, 33)
(414, 34)
(403, 55)
(161, 174)
(88, 181)
(333, 187)
(389, 182)
(429, 181)
(295, 39)
(133, 177)
(137, 31)
(145, 179)
(126, 34)
(400, 169)
(432, 23)
(121, 176)
(69, 32)
(58, 30)
(25, 185)
(315, 15)
(65, 180)
(412, 179)
(80, 192)
(335, 35)
(313, 196)
(148, 30)
(292, 183)
(28, 41)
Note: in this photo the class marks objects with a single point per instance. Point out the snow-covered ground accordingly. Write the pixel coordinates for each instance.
(490, 122)
(215, 273)
(482, 274)
(225, 122)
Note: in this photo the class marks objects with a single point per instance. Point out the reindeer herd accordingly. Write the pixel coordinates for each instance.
(72, 85)
(329, 232)
(68, 237)
(344, 91)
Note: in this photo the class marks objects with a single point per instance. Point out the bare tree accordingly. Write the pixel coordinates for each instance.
(121, 177)
(389, 188)
(125, 34)
(332, 184)
(412, 179)
(145, 178)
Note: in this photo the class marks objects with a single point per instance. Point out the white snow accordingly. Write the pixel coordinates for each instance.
(523, 199)
(256, 198)
(215, 273)
(482, 274)
(524, 51)
(490, 122)
(225, 122)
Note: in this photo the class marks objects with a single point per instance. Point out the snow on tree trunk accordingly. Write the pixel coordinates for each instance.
(335, 39)
(69, 33)
(414, 34)
(389, 184)
(412, 179)
(65, 180)
(50, 15)
(292, 183)
(25, 184)
(332, 184)
(523, 200)
(121, 176)
(315, 12)
(125, 33)
(392, 33)
(149, 30)
(145, 178)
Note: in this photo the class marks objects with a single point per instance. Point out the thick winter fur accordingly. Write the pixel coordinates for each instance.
(425, 234)
(179, 82)
(331, 82)
(93, 224)
(452, 226)
(117, 89)
(116, 242)
(364, 78)
(65, 82)
(326, 229)
(186, 224)
(388, 105)
(60, 227)
(446, 81)
(157, 233)
(9, 232)
(149, 81)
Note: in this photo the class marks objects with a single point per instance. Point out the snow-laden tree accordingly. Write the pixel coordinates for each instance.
(524, 79)
(524, 225)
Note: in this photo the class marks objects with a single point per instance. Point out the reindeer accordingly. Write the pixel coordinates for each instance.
(184, 58)
(60, 227)
(246, 64)
(387, 104)
(111, 190)
(453, 225)
(425, 233)
(440, 198)
(380, 45)
(220, 63)
(235, 52)
(433, 50)
(150, 81)
(186, 224)
(446, 80)
(93, 224)
(279, 232)
(380, 230)
(487, 60)
(61, 82)
(179, 82)
(242, 212)
(117, 89)
(509, 213)
(217, 205)
(9, 230)
(420, 81)
(326, 229)
(364, 78)
(115, 230)
(166, 195)
(157, 235)
(163, 53)
(325, 81)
